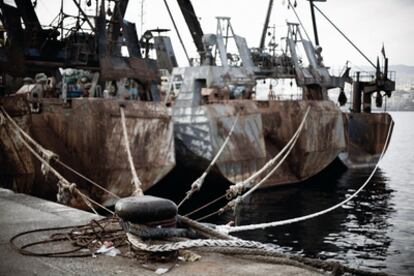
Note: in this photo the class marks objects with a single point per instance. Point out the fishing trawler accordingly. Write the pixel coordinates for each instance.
(221, 88)
(79, 118)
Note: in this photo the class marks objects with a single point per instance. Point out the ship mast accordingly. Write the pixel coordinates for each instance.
(315, 28)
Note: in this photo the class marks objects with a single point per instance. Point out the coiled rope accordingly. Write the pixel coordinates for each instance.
(79, 237)
(135, 180)
(85, 240)
(229, 229)
(196, 186)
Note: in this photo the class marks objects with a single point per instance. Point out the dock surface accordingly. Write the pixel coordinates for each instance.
(19, 213)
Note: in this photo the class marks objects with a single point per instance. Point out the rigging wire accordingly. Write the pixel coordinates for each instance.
(346, 37)
(205, 205)
(86, 178)
(288, 147)
(196, 186)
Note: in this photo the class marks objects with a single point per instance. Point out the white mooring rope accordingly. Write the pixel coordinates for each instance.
(187, 244)
(246, 184)
(196, 186)
(229, 229)
(239, 188)
(135, 180)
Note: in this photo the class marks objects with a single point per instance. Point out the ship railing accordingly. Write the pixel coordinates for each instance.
(368, 76)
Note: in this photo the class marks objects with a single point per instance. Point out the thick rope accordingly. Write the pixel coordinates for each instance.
(135, 180)
(241, 186)
(89, 236)
(196, 186)
(205, 230)
(228, 229)
(232, 205)
(235, 202)
(180, 245)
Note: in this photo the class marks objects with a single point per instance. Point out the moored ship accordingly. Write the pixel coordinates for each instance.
(81, 122)
(221, 79)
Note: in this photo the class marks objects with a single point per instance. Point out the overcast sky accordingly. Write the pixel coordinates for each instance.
(369, 23)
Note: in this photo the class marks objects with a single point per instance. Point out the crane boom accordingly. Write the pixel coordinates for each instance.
(266, 25)
(193, 24)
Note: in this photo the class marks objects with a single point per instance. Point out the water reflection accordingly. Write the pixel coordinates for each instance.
(355, 234)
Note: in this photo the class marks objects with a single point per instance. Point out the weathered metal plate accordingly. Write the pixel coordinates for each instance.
(87, 135)
(16, 162)
(113, 68)
(366, 135)
(320, 142)
(201, 131)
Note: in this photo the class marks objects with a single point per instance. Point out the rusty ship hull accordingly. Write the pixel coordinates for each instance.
(259, 137)
(17, 165)
(200, 132)
(87, 135)
(319, 143)
(366, 137)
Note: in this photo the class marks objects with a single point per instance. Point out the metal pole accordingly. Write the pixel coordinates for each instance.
(356, 94)
(315, 28)
(83, 13)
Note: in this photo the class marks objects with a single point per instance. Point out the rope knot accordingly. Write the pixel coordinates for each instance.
(235, 190)
(65, 190)
(49, 155)
(196, 186)
(72, 188)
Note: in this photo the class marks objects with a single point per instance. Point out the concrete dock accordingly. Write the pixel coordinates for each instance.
(19, 213)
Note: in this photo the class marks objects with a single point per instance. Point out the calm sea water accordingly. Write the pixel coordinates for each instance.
(375, 231)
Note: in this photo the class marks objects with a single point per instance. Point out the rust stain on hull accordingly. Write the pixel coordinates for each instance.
(201, 131)
(17, 170)
(87, 135)
(320, 142)
(366, 134)
(265, 127)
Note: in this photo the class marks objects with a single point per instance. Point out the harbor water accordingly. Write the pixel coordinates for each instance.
(374, 231)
